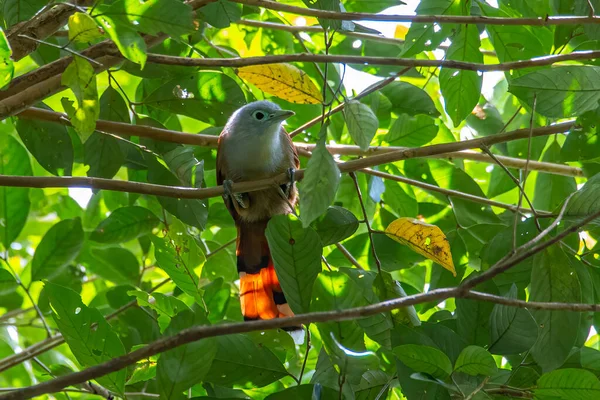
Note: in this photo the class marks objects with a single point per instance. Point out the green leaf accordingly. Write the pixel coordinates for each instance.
(131, 45)
(115, 264)
(83, 28)
(582, 143)
(180, 368)
(400, 198)
(182, 162)
(560, 92)
(335, 225)
(409, 99)
(190, 211)
(590, 358)
(320, 184)
(296, 253)
(208, 96)
(585, 201)
(59, 247)
(89, 345)
(104, 153)
(7, 68)
(125, 224)
(49, 143)
(302, 392)
(423, 36)
(552, 190)
(412, 131)
(361, 122)
(172, 17)
(461, 89)
(180, 265)
(568, 383)
(554, 279)
(343, 341)
(221, 13)
(15, 11)
(512, 330)
(239, 361)
(166, 306)
(515, 42)
(8, 284)
(475, 360)
(424, 359)
(14, 202)
(81, 78)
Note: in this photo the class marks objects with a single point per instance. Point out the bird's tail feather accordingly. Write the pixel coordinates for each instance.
(261, 296)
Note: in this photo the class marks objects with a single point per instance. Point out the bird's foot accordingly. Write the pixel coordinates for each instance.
(291, 172)
(238, 197)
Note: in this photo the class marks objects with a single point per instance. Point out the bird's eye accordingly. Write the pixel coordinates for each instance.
(259, 115)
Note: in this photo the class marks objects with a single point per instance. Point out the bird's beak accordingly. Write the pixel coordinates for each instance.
(280, 115)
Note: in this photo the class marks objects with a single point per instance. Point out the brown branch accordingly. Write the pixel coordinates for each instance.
(362, 60)
(202, 332)
(319, 30)
(123, 129)
(40, 27)
(450, 192)
(242, 187)
(348, 255)
(440, 19)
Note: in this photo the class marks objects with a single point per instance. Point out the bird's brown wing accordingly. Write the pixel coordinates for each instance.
(221, 167)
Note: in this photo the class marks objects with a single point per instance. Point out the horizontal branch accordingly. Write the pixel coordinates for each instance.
(124, 129)
(242, 187)
(202, 332)
(370, 60)
(440, 19)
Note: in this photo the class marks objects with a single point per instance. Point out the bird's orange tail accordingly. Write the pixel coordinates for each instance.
(261, 296)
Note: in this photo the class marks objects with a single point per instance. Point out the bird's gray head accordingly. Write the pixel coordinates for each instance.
(259, 117)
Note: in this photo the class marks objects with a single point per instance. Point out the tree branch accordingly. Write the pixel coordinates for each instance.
(123, 129)
(362, 60)
(440, 19)
(202, 332)
(40, 27)
(242, 187)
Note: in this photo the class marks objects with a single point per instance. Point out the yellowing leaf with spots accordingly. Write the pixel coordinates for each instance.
(83, 28)
(426, 239)
(284, 81)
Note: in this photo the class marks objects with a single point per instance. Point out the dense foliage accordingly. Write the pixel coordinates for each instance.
(502, 187)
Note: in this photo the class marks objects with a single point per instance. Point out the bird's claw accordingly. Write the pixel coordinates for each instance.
(291, 172)
(238, 197)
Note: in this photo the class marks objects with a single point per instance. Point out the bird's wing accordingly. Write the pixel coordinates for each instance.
(221, 167)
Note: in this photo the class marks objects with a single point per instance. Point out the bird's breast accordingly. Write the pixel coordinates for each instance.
(249, 158)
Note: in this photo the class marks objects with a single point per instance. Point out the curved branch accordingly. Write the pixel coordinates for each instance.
(440, 19)
(362, 60)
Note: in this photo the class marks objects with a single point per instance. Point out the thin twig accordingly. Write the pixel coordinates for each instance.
(371, 60)
(348, 255)
(307, 328)
(439, 19)
(366, 218)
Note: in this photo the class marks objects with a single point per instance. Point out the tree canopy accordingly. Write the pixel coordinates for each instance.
(445, 242)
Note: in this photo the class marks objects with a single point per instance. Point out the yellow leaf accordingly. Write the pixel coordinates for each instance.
(401, 31)
(427, 240)
(83, 28)
(284, 81)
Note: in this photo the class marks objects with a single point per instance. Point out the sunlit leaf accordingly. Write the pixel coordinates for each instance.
(124, 224)
(475, 360)
(83, 28)
(427, 240)
(81, 78)
(6, 63)
(284, 81)
(424, 359)
(568, 383)
(361, 122)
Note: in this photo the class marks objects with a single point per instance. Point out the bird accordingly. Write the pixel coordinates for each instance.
(254, 145)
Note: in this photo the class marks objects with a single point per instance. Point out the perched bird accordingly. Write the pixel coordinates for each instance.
(254, 145)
